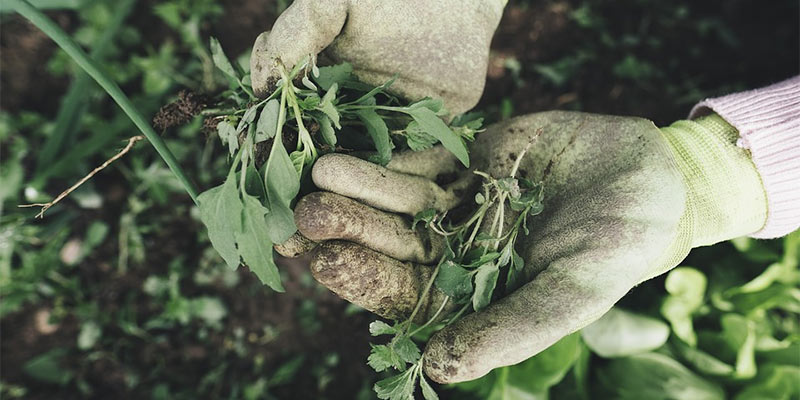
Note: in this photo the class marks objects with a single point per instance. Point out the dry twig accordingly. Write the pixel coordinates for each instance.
(72, 188)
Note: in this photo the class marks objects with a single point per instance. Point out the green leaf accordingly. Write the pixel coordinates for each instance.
(655, 376)
(339, 73)
(740, 335)
(228, 135)
(434, 105)
(406, 349)
(620, 333)
(367, 98)
(267, 125)
(221, 60)
(434, 126)
(327, 107)
(398, 387)
(686, 287)
(454, 281)
(702, 361)
(254, 244)
(417, 139)
(427, 391)
(485, 282)
(89, 335)
(776, 382)
(425, 216)
(283, 183)
(47, 367)
(383, 357)
(326, 129)
(379, 133)
(221, 212)
(377, 328)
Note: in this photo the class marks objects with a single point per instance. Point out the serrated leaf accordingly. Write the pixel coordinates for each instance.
(485, 282)
(398, 387)
(282, 183)
(254, 246)
(435, 127)
(406, 349)
(377, 328)
(417, 139)
(267, 124)
(221, 60)
(427, 391)
(379, 133)
(221, 213)
(334, 74)
(383, 357)
(453, 280)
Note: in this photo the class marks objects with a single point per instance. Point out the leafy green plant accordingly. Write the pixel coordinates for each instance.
(252, 209)
(476, 253)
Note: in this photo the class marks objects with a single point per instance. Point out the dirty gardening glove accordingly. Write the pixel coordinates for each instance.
(437, 48)
(623, 202)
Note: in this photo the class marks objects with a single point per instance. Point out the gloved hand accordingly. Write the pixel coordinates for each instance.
(438, 48)
(624, 202)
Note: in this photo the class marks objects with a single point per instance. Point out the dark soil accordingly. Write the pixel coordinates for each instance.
(763, 48)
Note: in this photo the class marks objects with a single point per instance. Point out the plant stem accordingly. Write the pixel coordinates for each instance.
(90, 67)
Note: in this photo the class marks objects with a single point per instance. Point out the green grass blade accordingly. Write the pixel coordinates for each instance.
(75, 103)
(79, 56)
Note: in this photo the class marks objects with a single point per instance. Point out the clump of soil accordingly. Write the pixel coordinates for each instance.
(179, 111)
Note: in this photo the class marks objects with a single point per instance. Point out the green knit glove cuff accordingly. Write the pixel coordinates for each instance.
(725, 195)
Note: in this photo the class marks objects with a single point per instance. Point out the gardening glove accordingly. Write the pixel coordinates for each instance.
(624, 202)
(437, 49)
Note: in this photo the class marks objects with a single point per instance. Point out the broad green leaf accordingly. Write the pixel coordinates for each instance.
(687, 287)
(283, 183)
(267, 124)
(326, 129)
(435, 127)
(398, 387)
(620, 333)
(655, 376)
(454, 281)
(248, 118)
(254, 244)
(547, 368)
(47, 367)
(221, 60)
(334, 74)
(221, 212)
(485, 282)
(379, 133)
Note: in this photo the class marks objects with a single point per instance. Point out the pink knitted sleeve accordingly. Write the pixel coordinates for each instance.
(768, 120)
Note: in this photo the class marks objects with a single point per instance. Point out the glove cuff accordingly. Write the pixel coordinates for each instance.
(725, 194)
